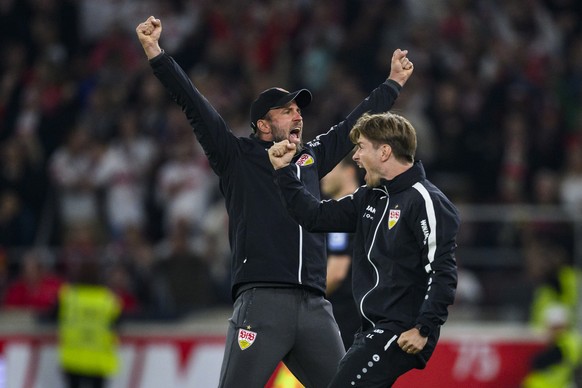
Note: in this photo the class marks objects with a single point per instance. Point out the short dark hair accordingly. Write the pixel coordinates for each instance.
(387, 128)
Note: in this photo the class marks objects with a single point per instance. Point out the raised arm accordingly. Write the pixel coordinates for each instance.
(303, 207)
(331, 147)
(219, 143)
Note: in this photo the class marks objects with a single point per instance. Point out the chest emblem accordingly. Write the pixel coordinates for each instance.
(304, 160)
(393, 217)
(246, 338)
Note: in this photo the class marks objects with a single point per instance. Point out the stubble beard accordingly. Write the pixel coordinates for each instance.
(277, 137)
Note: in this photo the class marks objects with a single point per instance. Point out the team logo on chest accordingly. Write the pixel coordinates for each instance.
(304, 160)
(246, 338)
(393, 217)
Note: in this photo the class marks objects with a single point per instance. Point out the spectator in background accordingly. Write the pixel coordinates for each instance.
(136, 253)
(47, 104)
(559, 363)
(546, 188)
(514, 159)
(21, 172)
(102, 111)
(545, 193)
(215, 248)
(184, 186)
(122, 172)
(155, 118)
(35, 288)
(118, 280)
(320, 38)
(79, 243)
(4, 273)
(555, 281)
(87, 313)
(469, 294)
(17, 223)
(72, 169)
(183, 275)
(571, 182)
(13, 76)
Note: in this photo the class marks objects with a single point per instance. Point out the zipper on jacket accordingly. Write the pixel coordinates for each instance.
(370, 260)
(300, 266)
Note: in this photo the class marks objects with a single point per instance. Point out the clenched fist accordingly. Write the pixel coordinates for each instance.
(148, 34)
(281, 153)
(401, 67)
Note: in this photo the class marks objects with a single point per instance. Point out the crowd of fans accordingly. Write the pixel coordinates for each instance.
(97, 163)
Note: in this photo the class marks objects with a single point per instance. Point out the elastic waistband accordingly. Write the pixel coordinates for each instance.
(247, 286)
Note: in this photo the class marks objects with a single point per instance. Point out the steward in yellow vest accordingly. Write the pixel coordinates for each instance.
(562, 290)
(557, 364)
(87, 340)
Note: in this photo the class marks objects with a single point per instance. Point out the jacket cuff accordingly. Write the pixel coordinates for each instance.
(394, 85)
(427, 323)
(157, 57)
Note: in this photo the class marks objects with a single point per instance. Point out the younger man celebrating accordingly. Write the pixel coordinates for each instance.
(404, 269)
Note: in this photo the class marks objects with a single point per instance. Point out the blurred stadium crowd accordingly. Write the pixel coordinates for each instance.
(97, 162)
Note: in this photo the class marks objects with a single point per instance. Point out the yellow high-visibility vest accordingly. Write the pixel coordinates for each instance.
(559, 375)
(87, 342)
(546, 296)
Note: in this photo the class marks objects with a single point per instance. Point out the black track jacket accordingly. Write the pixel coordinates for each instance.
(266, 244)
(404, 268)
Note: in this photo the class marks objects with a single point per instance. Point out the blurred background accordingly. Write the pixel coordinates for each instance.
(97, 163)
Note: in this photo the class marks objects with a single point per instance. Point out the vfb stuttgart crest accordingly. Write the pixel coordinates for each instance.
(246, 338)
(304, 160)
(393, 218)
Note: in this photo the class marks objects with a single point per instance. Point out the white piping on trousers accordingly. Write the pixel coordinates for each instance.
(390, 342)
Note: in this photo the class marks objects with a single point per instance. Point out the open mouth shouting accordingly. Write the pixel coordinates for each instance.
(295, 135)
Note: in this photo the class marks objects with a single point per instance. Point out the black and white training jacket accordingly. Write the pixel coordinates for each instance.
(267, 245)
(404, 267)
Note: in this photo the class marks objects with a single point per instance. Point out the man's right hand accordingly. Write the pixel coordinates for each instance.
(148, 34)
(281, 153)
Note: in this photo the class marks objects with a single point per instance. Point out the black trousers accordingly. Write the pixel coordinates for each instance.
(375, 361)
(80, 381)
(270, 325)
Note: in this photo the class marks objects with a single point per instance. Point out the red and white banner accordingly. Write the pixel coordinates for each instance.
(475, 363)
(192, 361)
(30, 361)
